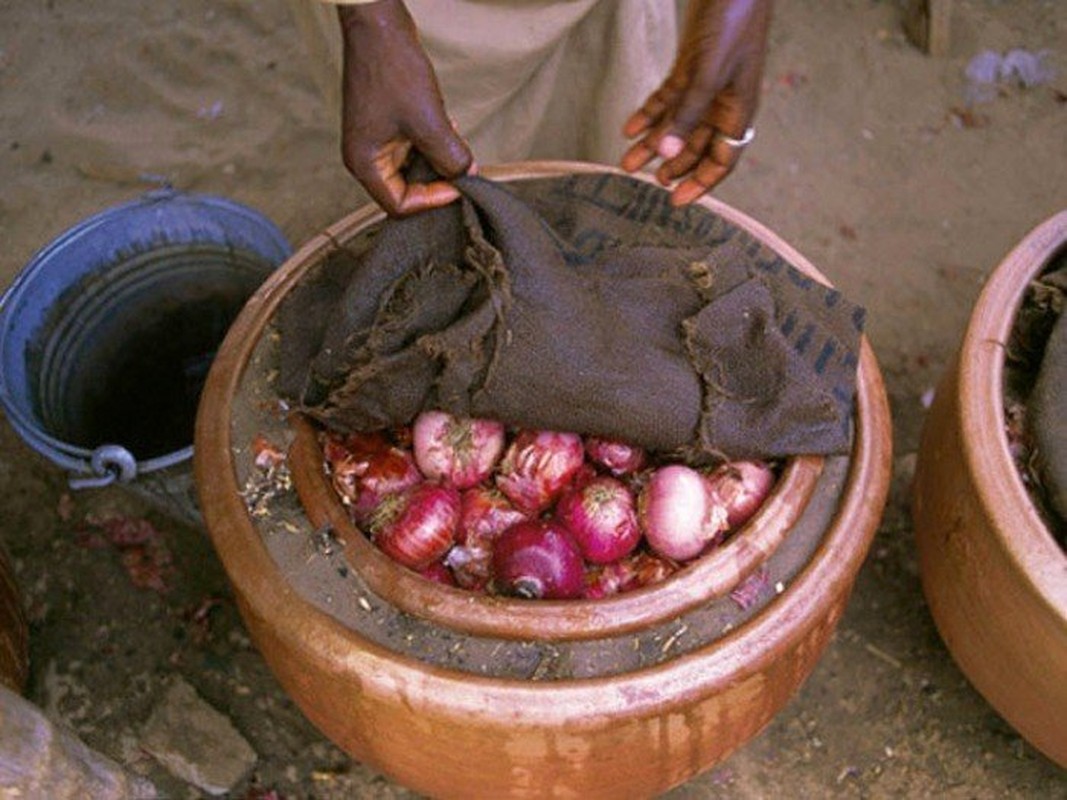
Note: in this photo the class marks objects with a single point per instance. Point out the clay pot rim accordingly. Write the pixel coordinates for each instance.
(1001, 491)
(783, 622)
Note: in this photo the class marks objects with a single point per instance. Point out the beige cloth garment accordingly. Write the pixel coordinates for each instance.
(528, 79)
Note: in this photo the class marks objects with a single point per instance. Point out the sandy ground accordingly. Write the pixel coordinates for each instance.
(868, 161)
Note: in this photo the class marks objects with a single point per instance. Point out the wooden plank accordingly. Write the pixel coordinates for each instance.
(928, 24)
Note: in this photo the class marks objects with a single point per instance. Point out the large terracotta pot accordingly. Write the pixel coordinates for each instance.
(14, 637)
(994, 576)
(624, 697)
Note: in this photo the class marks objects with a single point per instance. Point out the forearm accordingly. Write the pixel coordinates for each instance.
(392, 109)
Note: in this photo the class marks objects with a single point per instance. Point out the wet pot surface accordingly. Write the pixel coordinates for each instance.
(604, 702)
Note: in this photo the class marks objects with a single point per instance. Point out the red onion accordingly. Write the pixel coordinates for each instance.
(417, 527)
(538, 466)
(650, 568)
(676, 514)
(345, 456)
(740, 487)
(605, 580)
(583, 475)
(538, 559)
(601, 517)
(633, 572)
(484, 514)
(618, 458)
(438, 573)
(461, 452)
(365, 468)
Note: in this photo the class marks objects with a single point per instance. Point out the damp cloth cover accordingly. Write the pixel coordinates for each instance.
(1046, 401)
(584, 303)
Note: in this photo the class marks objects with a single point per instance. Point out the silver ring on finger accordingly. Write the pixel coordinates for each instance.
(737, 144)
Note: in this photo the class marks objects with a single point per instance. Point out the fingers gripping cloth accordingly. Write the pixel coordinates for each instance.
(583, 303)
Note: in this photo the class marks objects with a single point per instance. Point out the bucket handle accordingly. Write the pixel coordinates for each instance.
(109, 463)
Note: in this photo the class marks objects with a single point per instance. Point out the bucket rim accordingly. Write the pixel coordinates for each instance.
(274, 247)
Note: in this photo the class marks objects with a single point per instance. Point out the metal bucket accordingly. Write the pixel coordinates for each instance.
(107, 334)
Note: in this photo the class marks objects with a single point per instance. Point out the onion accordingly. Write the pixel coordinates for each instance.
(462, 452)
(740, 487)
(365, 468)
(583, 475)
(346, 459)
(633, 572)
(438, 573)
(601, 517)
(650, 569)
(417, 527)
(538, 559)
(618, 458)
(484, 514)
(605, 580)
(538, 466)
(676, 514)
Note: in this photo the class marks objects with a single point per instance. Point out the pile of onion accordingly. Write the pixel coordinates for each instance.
(535, 514)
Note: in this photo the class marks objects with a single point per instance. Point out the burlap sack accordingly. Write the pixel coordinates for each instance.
(583, 303)
(1046, 401)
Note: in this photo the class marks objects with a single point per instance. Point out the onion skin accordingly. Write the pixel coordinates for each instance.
(267, 454)
(618, 458)
(365, 468)
(438, 573)
(636, 571)
(740, 487)
(751, 590)
(538, 466)
(607, 580)
(676, 513)
(460, 452)
(602, 519)
(346, 457)
(538, 559)
(418, 526)
(485, 513)
(583, 475)
(650, 569)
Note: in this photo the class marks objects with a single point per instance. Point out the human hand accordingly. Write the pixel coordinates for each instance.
(700, 118)
(392, 106)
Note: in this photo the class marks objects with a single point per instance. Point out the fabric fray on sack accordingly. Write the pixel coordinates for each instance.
(584, 303)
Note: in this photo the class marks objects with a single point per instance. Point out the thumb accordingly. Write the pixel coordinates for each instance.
(442, 146)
